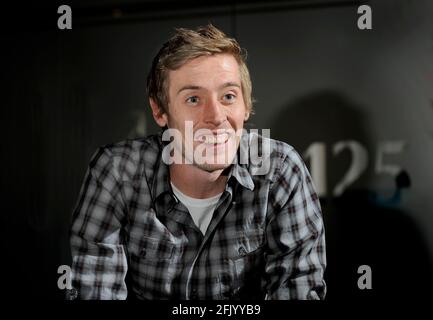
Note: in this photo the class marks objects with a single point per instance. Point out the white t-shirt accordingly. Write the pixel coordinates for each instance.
(201, 210)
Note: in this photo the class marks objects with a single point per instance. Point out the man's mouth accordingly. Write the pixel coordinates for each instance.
(214, 139)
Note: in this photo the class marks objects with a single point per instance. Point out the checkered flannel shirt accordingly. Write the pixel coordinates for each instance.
(132, 238)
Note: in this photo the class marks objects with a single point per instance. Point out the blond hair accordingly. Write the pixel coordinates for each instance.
(187, 44)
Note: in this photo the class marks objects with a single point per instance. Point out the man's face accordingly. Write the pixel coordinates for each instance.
(207, 91)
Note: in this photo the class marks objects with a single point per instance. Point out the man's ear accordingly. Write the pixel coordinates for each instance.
(157, 113)
(247, 116)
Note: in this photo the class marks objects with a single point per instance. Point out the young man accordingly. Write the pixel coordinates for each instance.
(178, 215)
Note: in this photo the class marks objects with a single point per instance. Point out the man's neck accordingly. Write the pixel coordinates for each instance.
(197, 183)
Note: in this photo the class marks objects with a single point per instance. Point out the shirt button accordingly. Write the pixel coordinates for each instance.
(242, 251)
(143, 253)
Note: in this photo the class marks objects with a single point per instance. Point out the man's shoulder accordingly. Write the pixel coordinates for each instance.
(133, 147)
(127, 158)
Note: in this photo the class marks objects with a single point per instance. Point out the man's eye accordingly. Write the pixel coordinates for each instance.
(193, 99)
(229, 97)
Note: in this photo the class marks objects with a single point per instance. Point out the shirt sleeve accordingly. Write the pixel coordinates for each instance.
(99, 262)
(295, 257)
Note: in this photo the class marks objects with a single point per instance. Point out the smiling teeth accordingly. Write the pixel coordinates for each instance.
(214, 139)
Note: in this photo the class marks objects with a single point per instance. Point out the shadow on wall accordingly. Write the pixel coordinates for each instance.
(361, 227)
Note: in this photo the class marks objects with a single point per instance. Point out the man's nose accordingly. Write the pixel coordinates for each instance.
(214, 113)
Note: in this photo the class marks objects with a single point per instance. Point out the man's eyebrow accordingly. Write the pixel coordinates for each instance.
(189, 87)
(225, 85)
(230, 84)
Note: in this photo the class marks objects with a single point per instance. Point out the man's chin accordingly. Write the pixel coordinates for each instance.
(212, 167)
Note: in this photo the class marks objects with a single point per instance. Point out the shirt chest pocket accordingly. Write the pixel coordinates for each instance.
(246, 243)
(243, 267)
(156, 267)
(248, 264)
(156, 250)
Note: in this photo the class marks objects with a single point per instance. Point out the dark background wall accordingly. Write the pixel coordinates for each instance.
(317, 79)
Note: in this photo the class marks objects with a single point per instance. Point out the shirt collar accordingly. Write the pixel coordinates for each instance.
(242, 175)
(239, 170)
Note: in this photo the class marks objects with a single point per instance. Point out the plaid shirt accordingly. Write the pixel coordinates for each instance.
(130, 236)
